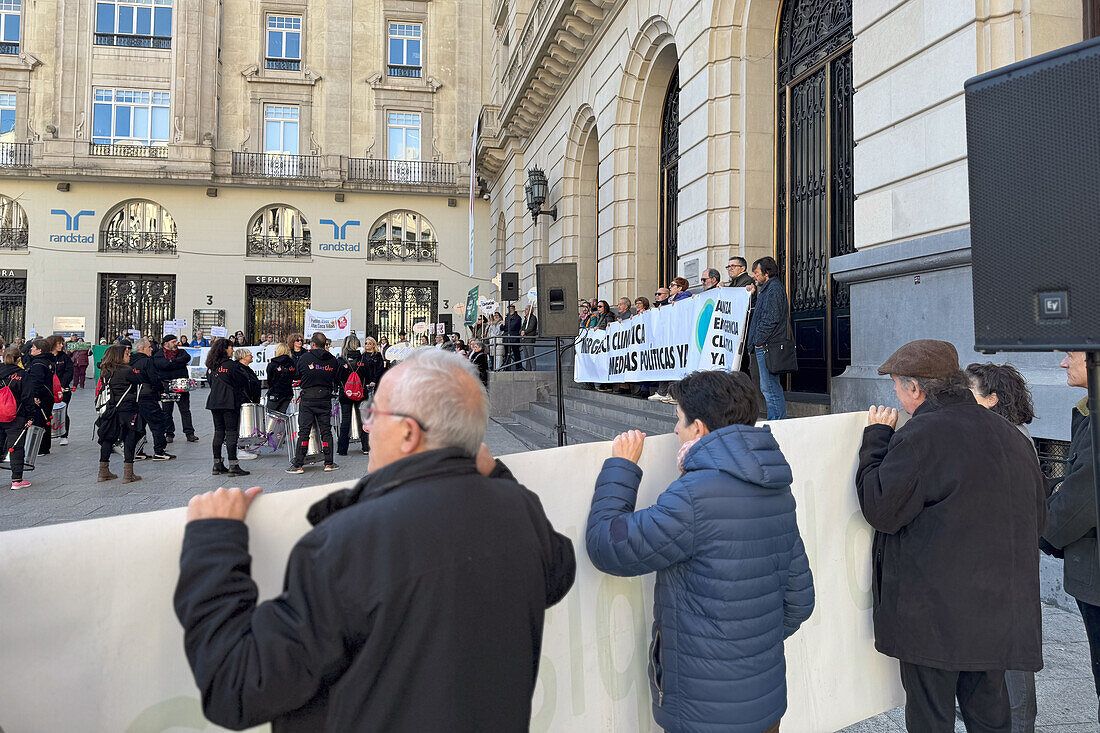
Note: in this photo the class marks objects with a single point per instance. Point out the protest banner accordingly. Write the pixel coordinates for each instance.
(89, 621)
(218, 332)
(703, 332)
(334, 324)
(471, 306)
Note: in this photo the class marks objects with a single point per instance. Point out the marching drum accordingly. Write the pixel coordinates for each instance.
(275, 434)
(32, 441)
(252, 423)
(57, 423)
(314, 454)
(181, 385)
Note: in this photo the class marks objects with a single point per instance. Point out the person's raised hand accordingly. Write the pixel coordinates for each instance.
(222, 504)
(628, 445)
(750, 288)
(880, 415)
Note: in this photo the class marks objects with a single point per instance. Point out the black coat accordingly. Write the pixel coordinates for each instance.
(38, 382)
(1071, 519)
(63, 368)
(149, 378)
(11, 376)
(253, 389)
(513, 324)
(171, 365)
(296, 356)
(229, 386)
(741, 280)
(121, 413)
(415, 604)
(281, 375)
(958, 503)
(480, 360)
(318, 372)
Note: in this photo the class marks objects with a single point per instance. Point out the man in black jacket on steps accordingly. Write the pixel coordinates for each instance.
(415, 604)
(318, 372)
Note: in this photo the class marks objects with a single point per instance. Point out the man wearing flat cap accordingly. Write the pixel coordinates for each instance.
(958, 504)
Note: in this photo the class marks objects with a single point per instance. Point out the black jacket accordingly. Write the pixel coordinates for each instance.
(229, 386)
(770, 314)
(149, 378)
(480, 359)
(513, 324)
(345, 366)
(124, 383)
(318, 372)
(415, 604)
(371, 369)
(281, 375)
(741, 280)
(171, 365)
(296, 356)
(63, 368)
(38, 382)
(253, 390)
(1071, 519)
(530, 325)
(12, 376)
(958, 504)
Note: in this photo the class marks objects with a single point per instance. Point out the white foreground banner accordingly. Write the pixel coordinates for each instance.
(89, 640)
(666, 344)
(334, 324)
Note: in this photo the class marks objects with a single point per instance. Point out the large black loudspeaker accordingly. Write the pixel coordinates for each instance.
(557, 293)
(509, 286)
(1033, 148)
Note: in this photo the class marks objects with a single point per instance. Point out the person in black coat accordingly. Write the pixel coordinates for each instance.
(171, 362)
(513, 324)
(63, 368)
(121, 419)
(11, 432)
(378, 629)
(349, 408)
(281, 375)
(958, 503)
(318, 372)
(297, 347)
(38, 388)
(228, 391)
(151, 381)
(479, 357)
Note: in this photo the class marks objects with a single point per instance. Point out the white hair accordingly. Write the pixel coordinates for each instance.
(442, 391)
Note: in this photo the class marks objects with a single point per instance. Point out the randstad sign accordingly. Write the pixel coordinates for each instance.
(340, 234)
(72, 225)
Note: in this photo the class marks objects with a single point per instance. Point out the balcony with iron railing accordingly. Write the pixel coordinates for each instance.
(402, 172)
(276, 165)
(277, 247)
(131, 41)
(408, 72)
(137, 243)
(127, 150)
(401, 250)
(283, 64)
(16, 155)
(12, 238)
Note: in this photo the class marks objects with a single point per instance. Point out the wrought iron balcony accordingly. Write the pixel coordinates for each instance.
(408, 72)
(278, 247)
(15, 155)
(400, 250)
(414, 172)
(13, 239)
(276, 165)
(141, 243)
(128, 41)
(9, 49)
(283, 64)
(128, 151)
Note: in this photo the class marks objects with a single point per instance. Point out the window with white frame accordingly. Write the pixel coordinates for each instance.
(7, 118)
(281, 129)
(404, 50)
(128, 116)
(403, 136)
(284, 42)
(10, 21)
(134, 23)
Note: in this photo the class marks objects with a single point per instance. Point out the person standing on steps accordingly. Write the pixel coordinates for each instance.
(171, 361)
(141, 361)
(228, 391)
(281, 375)
(318, 371)
(11, 432)
(120, 420)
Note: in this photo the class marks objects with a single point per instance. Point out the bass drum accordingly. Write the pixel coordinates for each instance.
(252, 424)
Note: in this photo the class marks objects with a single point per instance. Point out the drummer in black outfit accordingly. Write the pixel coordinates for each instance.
(38, 388)
(141, 361)
(228, 391)
(171, 362)
(63, 367)
(318, 371)
(281, 375)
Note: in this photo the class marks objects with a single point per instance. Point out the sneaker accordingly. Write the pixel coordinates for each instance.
(163, 456)
(170, 438)
(670, 400)
(656, 398)
(295, 469)
(244, 455)
(192, 438)
(62, 441)
(331, 467)
(137, 457)
(16, 485)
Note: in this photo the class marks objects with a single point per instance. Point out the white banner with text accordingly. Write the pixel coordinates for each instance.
(334, 324)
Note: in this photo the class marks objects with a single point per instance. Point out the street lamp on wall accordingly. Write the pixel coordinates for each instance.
(537, 191)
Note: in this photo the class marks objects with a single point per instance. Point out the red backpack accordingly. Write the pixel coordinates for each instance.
(353, 388)
(7, 404)
(58, 392)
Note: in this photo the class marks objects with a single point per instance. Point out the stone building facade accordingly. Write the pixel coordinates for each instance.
(232, 161)
(827, 133)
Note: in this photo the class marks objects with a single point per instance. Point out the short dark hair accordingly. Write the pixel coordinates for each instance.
(41, 344)
(319, 340)
(936, 390)
(714, 275)
(1013, 397)
(767, 266)
(718, 399)
(740, 261)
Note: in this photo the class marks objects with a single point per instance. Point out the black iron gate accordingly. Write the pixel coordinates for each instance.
(277, 309)
(394, 306)
(670, 185)
(141, 302)
(814, 194)
(13, 308)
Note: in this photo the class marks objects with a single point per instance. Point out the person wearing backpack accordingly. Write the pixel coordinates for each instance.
(119, 418)
(229, 387)
(319, 372)
(38, 388)
(12, 420)
(352, 390)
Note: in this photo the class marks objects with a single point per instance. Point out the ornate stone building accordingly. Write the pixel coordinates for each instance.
(827, 133)
(232, 162)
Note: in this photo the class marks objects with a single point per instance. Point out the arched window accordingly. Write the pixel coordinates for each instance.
(138, 226)
(667, 252)
(13, 224)
(278, 231)
(403, 236)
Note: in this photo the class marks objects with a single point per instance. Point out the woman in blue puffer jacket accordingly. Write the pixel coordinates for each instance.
(732, 577)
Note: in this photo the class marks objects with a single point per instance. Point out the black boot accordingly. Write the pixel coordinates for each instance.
(236, 470)
(219, 468)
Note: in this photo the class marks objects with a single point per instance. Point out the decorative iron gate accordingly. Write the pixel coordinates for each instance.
(670, 186)
(142, 302)
(814, 194)
(13, 308)
(277, 309)
(394, 306)
(205, 319)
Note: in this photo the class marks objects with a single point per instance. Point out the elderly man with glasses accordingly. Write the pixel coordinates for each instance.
(415, 603)
(661, 297)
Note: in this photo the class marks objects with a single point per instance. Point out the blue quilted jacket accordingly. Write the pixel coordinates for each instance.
(732, 578)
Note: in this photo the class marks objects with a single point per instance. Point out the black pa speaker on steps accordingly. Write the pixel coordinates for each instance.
(557, 299)
(509, 286)
(1033, 148)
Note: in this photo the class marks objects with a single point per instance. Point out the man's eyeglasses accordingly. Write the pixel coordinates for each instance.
(369, 412)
